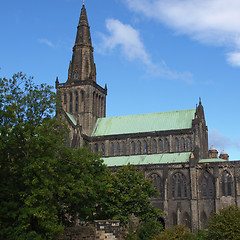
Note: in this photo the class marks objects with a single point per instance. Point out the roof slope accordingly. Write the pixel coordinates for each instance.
(147, 159)
(151, 122)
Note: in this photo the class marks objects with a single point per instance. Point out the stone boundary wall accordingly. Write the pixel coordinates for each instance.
(100, 230)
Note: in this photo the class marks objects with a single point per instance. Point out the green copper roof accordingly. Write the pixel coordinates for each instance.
(147, 159)
(151, 122)
(211, 160)
(71, 117)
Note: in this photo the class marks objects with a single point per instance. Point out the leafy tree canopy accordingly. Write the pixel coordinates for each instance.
(176, 232)
(225, 224)
(44, 184)
(129, 194)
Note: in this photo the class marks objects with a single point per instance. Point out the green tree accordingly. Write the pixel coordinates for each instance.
(225, 224)
(44, 184)
(176, 232)
(149, 229)
(128, 194)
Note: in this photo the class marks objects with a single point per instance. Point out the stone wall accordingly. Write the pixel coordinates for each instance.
(101, 230)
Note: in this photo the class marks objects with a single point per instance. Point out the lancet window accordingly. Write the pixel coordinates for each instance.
(157, 183)
(145, 147)
(179, 186)
(176, 144)
(139, 147)
(207, 185)
(226, 184)
(154, 146)
(160, 145)
(133, 147)
(166, 145)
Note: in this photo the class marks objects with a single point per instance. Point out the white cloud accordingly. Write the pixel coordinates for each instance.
(233, 59)
(215, 22)
(47, 42)
(131, 45)
(128, 38)
(222, 142)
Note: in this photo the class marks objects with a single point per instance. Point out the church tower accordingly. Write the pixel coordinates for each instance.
(83, 101)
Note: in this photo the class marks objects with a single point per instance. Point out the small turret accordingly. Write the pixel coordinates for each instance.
(213, 153)
(224, 155)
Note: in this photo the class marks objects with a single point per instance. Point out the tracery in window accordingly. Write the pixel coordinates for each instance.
(179, 185)
(157, 183)
(207, 185)
(226, 184)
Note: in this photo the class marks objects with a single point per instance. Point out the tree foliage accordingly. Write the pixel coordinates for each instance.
(176, 232)
(44, 184)
(225, 224)
(128, 194)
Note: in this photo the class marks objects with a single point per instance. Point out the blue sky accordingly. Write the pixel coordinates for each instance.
(154, 55)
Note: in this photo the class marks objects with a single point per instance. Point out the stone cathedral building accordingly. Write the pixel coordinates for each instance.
(170, 147)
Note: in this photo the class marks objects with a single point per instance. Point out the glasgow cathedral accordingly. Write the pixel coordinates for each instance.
(171, 148)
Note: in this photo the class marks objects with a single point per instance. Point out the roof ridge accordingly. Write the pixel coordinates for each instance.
(142, 114)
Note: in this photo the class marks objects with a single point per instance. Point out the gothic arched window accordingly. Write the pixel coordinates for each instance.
(112, 148)
(154, 146)
(207, 185)
(118, 148)
(157, 183)
(123, 148)
(76, 75)
(176, 144)
(226, 184)
(76, 102)
(133, 147)
(189, 144)
(166, 145)
(70, 102)
(82, 102)
(183, 144)
(179, 186)
(160, 145)
(103, 149)
(139, 147)
(145, 148)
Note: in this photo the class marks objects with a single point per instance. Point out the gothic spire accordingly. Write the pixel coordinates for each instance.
(82, 66)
